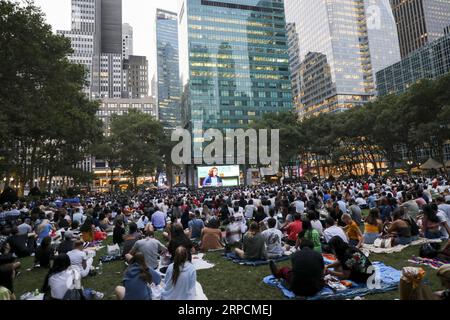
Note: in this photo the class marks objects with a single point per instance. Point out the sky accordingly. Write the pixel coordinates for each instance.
(140, 14)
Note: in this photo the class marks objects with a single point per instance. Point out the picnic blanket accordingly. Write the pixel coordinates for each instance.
(432, 263)
(252, 263)
(370, 248)
(389, 279)
(199, 263)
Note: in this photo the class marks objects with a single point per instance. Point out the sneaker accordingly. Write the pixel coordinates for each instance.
(98, 295)
(273, 268)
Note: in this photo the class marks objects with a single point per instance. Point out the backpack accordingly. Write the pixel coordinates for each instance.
(415, 231)
(429, 250)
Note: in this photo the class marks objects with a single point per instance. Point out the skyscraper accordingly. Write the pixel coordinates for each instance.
(96, 38)
(135, 70)
(343, 43)
(294, 63)
(420, 22)
(234, 60)
(127, 40)
(168, 73)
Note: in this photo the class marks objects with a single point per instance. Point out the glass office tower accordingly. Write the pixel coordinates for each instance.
(168, 71)
(234, 60)
(344, 43)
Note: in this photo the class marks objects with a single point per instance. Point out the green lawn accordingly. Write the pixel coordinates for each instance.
(225, 281)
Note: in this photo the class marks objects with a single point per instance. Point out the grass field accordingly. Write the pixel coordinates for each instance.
(225, 281)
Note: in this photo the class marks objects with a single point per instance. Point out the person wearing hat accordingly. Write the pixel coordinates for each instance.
(444, 275)
(67, 244)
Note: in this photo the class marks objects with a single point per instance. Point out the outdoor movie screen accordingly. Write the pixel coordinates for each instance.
(218, 176)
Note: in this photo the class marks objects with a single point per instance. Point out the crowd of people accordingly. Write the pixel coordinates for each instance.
(305, 220)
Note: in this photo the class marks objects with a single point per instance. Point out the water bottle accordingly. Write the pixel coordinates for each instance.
(100, 268)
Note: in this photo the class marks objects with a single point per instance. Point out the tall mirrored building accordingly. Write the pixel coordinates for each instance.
(167, 77)
(234, 61)
(127, 41)
(420, 22)
(342, 43)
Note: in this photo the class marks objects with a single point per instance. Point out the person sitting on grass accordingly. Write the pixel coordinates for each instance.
(87, 230)
(137, 280)
(253, 245)
(57, 279)
(399, 229)
(272, 237)
(181, 278)
(293, 229)
(373, 226)
(211, 236)
(235, 230)
(306, 276)
(352, 231)
(150, 247)
(67, 244)
(196, 226)
(79, 259)
(44, 253)
(351, 263)
(431, 224)
(444, 275)
(118, 233)
(177, 239)
(332, 230)
(7, 276)
(310, 234)
(130, 239)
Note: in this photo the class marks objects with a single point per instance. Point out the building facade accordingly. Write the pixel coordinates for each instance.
(109, 107)
(127, 40)
(420, 22)
(234, 60)
(294, 64)
(347, 41)
(135, 76)
(428, 62)
(167, 76)
(96, 39)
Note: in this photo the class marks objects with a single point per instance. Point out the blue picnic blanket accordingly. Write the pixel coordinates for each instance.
(252, 263)
(387, 277)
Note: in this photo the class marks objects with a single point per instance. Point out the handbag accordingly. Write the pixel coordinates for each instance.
(113, 250)
(74, 293)
(385, 242)
(429, 250)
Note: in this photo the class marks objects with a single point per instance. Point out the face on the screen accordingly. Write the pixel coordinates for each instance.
(215, 172)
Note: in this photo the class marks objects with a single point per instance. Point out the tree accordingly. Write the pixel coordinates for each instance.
(47, 122)
(138, 138)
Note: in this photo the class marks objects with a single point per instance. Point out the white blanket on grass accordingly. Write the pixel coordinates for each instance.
(370, 248)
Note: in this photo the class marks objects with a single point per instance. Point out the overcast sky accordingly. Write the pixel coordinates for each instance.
(139, 13)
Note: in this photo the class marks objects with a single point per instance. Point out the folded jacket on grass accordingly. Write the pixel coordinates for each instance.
(234, 258)
(387, 277)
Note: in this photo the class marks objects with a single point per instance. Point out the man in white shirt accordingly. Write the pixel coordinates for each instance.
(299, 206)
(342, 204)
(249, 210)
(444, 207)
(78, 216)
(332, 230)
(445, 224)
(273, 237)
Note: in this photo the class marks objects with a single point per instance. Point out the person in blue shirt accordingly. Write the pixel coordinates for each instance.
(213, 179)
(181, 278)
(137, 280)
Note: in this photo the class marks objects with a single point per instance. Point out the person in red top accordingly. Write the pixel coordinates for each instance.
(293, 229)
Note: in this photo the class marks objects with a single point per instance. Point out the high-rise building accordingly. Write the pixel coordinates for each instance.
(168, 71)
(342, 43)
(420, 22)
(294, 63)
(135, 77)
(96, 38)
(429, 62)
(234, 60)
(127, 41)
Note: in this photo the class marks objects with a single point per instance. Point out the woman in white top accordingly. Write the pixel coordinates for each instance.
(181, 278)
(60, 279)
(313, 216)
